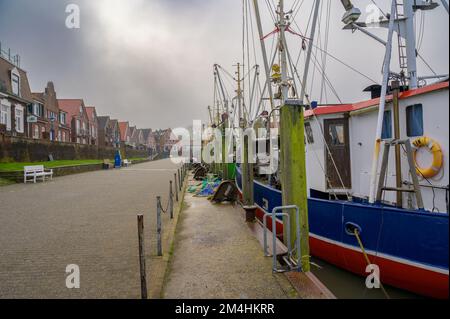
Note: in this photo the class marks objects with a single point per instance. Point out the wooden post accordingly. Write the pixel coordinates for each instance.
(225, 175)
(247, 175)
(159, 226)
(398, 159)
(142, 257)
(171, 200)
(293, 176)
(176, 186)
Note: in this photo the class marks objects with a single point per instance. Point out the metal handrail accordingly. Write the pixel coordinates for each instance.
(274, 215)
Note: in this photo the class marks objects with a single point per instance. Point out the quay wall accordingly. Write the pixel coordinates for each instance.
(17, 149)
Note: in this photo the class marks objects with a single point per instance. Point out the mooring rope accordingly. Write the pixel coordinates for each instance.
(368, 260)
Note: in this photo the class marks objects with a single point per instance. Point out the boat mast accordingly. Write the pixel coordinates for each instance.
(264, 52)
(283, 55)
(410, 37)
(386, 74)
(239, 97)
(445, 5)
(308, 56)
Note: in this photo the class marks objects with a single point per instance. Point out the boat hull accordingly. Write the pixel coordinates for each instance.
(409, 247)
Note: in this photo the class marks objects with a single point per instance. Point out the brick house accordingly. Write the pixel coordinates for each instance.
(115, 132)
(78, 119)
(149, 141)
(92, 125)
(15, 97)
(46, 120)
(137, 138)
(165, 140)
(104, 133)
(125, 133)
(108, 132)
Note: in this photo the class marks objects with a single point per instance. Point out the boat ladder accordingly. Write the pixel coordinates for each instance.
(412, 171)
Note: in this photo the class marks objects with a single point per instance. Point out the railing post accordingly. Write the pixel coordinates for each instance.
(142, 256)
(179, 180)
(171, 200)
(159, 226)
(176, 178)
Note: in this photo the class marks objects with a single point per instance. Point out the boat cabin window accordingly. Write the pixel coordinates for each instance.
(387, 126)
(309, 133)
(337, 136)
(414, 120)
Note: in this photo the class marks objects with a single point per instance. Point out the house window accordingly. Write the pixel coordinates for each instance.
(62, 118)
(36, 109)
(78, 127)
(15, 84)
(19, 119)
(59, 136)
(387, 126)
(309, 133)
(36, 132)
(5, 115)
(414, 120)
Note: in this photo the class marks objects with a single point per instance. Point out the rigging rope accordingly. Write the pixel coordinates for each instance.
(356, 232)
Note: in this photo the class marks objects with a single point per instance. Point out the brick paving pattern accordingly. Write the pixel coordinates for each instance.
(88, 220)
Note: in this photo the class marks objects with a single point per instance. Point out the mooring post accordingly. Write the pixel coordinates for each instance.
(176, 178)
(293, 179)
(159, 226)
(142, 256)
(225, 174)
(171, 200)
(247, 180)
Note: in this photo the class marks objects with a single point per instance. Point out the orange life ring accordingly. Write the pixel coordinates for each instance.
(438, 157)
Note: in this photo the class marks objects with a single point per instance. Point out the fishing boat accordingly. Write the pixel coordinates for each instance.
(397, 213)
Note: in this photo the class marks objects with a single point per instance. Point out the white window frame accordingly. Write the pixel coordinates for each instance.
(15, 73)
(5, 113)
(19, 120)
(36, 132)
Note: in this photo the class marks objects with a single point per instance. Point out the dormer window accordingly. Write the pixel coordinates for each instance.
(15, 82)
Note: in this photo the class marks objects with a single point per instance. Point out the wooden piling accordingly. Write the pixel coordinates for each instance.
(176, 179)
(293, 177)
(159, 226)
(142, 256)
(171, 200)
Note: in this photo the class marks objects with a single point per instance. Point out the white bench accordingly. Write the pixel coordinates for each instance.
(126, 163)
(32, 173)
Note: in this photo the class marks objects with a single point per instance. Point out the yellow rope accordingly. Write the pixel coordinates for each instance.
(368, 260)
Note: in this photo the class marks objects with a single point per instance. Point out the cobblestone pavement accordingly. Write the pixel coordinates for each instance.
(88, 220)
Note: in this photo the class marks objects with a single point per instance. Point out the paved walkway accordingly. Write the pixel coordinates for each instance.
(88, 220)
(217, 256)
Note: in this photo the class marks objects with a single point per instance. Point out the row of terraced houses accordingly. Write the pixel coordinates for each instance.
(44, 116)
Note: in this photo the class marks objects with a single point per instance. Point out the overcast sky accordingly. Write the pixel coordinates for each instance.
(150, 61)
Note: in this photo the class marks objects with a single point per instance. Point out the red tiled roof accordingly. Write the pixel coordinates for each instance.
(90, 110)
(123, 127)
(70, 106)
(342, 108)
